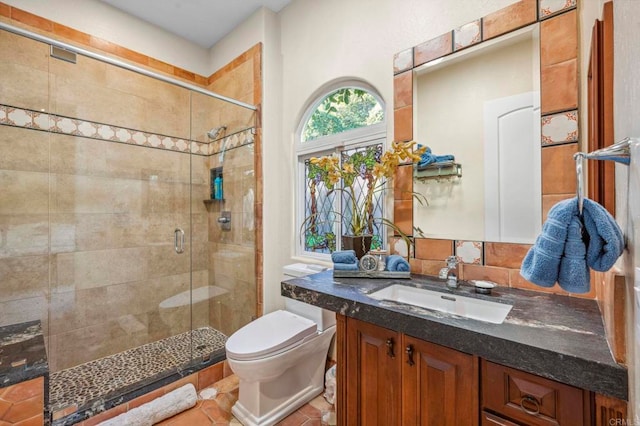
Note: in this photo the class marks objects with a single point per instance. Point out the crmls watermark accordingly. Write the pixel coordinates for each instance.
(624, 422)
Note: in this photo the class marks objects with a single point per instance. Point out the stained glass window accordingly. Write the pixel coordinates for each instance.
(328, 213)
(327, 205)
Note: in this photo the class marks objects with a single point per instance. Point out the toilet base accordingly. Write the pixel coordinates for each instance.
(278, 413)
(295, 378)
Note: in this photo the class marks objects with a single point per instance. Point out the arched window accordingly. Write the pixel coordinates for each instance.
(342, 110)
(347, 122)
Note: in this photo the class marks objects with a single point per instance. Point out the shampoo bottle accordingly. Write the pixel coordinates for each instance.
(217, 188)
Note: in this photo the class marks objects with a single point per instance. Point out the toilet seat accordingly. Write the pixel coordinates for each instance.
(269, 334)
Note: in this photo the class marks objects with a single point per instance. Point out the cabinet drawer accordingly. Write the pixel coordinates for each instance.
(531, 399)
(489, 419)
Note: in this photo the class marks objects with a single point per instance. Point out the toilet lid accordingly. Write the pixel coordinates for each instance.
(268, 334)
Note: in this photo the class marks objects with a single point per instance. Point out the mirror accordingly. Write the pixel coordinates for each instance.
(482, 105)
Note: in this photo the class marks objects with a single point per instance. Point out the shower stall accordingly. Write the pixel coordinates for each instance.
(108, 231)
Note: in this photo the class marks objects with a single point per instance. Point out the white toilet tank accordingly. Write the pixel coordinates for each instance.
(322, 317)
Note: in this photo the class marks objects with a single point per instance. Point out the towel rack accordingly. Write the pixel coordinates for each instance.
(618, 152)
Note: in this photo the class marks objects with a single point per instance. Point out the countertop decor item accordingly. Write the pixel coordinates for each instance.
(376, 168)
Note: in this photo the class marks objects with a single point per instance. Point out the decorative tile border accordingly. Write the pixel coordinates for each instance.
(469, 252)
(517, 15)
(467, 35)
(552, 7)
(43, 121)
(560, 128)
(235, 140)
(403, 61)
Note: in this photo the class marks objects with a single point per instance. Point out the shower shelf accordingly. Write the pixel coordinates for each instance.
(211, 201)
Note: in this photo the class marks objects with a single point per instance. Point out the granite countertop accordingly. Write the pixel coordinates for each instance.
(22, 353)
(558, 337)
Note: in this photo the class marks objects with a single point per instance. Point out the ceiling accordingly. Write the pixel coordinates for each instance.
(203, 22)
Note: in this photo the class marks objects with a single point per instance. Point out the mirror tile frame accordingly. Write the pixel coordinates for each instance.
(559, 49)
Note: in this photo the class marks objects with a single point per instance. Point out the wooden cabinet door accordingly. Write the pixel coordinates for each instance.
(373, 375)
(440, 385)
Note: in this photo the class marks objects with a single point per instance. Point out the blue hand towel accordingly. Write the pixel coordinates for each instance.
(428, 158)
(345, 256)
(397, 263)
(345, 266)
(541, 265)
(606, 242)
(574, 275)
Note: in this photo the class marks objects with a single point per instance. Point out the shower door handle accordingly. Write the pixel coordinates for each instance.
(178, 240)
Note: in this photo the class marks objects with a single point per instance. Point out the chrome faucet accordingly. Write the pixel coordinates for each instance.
(450, 273)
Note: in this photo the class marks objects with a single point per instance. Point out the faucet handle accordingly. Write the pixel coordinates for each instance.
(452, 262)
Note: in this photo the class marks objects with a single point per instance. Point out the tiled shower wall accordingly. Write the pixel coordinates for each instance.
(88, 208)
(236, 255)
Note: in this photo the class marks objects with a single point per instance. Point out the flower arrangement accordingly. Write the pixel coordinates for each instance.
(370, 166)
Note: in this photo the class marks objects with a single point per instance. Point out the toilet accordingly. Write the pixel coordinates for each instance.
(280, 358)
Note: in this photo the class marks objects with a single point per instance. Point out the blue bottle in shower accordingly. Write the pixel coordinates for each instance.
(217, 188)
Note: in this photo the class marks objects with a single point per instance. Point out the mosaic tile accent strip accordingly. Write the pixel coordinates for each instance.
(87, 383)
(43, 121)
(235, 140)
(469, 252)
(467, 34)
(560, 128)
(552, 7)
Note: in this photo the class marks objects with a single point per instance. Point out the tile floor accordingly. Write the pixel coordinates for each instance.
(217, 411)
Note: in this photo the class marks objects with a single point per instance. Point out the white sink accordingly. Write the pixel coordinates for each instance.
(468, 307)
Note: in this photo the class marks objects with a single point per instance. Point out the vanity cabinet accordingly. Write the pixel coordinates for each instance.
(389, 378)
(395, 379)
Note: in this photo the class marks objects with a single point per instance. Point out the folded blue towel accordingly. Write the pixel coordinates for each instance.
(606, 242)
(397, 263)
(345, 266)
(573, 275)
(541, 265)
(428, 158)
(344, 256)
(569, 245)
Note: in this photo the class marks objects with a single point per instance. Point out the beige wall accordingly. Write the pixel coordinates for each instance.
(626, 16)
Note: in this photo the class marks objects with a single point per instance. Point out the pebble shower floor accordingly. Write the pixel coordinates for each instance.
(91, 382)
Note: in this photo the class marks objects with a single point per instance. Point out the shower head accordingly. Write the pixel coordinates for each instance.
(214, 133)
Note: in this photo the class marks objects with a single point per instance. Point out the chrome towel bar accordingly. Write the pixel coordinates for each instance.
(618, 152)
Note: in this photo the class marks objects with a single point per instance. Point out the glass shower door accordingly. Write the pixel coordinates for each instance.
(120, 186)
(223, 189)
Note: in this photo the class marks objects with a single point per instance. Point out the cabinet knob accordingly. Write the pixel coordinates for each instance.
(390, 347)
(530, 405)
(409, 351)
